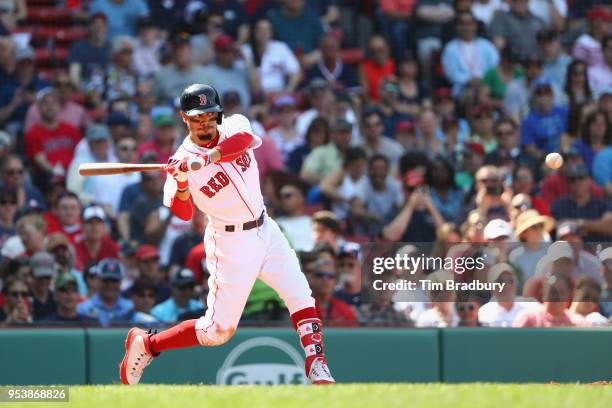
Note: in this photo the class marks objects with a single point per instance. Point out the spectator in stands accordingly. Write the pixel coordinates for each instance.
(148, 201)
(201, 43)
(600, 76)
(587, 293)
(594, 215)
(143, 293)
(322, 280)
(595, 136)
(530, 229)
(419, 218)
(68, 220)
(184, 243)
(543, 127)
(19, 86)
(322, 160)
(323, 104)
(66, 296)
(348, 266)
(16, 308)
(91, 275)
(31, 230)
(164, 137)
(8, 210)
(605, 258)
(326, 230)
(295, 223)
(588, 47)
(285, 134)
(304, 41)
(579, 94)
(43, 270)
(122, 15)
(440, 177)
(523, 182)
(343, 185)
(147, 49)
(64, 255)
(70, 111)
(107, 305)
(317, 135)
(602, 169)
(147, 258)
(467, 58)
(51, 143)
(182, 301)
(96, 243)
(405, 134)
(442, 312)
(556, 61)
(507, 151)
(228, 73)
(161, 228)
(516, 102)
(553, 311)
(502, 309)
(277, 67)
(378, 202)
(180, 73)
(430, 134)
(376, 67)
(517, 27)
(497, 78)
(13, 177)
(587, 264)
(91, 55)
(394, 17)
(374, 140)
(12, 13)
(467, 306)
(330, 66)
(412, 92)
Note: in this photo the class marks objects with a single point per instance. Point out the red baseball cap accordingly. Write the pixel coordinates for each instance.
(146, 252)
(474, 147)
(405, 126)
(442, 93)
(600, 13)
(414, 178)
(223, 42)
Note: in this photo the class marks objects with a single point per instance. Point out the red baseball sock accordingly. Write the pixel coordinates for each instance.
(182, 335)
(310, 329)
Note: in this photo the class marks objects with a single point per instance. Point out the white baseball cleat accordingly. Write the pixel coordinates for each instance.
(319, 372)
(137, 356)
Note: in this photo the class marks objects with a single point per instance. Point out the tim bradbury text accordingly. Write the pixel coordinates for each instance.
(427, 285)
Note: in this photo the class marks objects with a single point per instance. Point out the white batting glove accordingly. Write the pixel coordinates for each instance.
(177, 169)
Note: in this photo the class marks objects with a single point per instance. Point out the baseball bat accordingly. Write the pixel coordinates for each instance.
(104, 169)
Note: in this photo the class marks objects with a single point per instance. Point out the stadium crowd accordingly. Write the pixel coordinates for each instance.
(421, 123)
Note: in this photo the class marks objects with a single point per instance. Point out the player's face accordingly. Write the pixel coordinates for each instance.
(202, 127)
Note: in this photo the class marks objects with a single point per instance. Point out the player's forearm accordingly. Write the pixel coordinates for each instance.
(232, 147)
(182, 205)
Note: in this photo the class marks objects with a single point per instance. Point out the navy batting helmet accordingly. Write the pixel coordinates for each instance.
(200, 98)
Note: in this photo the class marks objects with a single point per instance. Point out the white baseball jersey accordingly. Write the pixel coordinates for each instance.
(229, 192)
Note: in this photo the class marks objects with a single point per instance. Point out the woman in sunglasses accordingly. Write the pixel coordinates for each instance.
(17, 302)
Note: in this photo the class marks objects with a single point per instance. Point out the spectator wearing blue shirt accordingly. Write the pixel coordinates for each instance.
(542, 129)
(122, 15)
(107, 305)
(182, 300)
(143, 293)
(466, 58)
(595, 135)
(602, 169)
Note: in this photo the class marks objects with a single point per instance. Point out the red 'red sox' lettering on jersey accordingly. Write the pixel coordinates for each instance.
(215, 184)
(244, 162)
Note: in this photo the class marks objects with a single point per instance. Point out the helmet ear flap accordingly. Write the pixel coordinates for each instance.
(219, 118)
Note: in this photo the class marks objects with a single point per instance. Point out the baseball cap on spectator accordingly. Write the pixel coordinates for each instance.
(521, 201)
(142, 284)
(405, 126)
(542, 85)
(115, 118)
(442, 94)
(57, 239)
(12, 248)
(122, 43)
(128, 247)
(560, 249)
(146, 252)
(110, 269)
(480, 111)
(284, 100)
(342, 125)
(231, 99)
(529, 218)
(414, 178)
(5, 139)
(497, 269)
(149, 157)
(474, 148)
(547, 35)
(48, 90)
(24, 53)
(94, 212)
(162, 116)
(97, 15)
(43, 265)
(349, 249)
(182, 277)
(181, 39)
(317, 84)
(223, 42)
(497, 228)
(599, 13)
(327, 219)
(91, 270)
(567, 228)
(64, 280)
(97, 132)
(605, 254)
(576, 171)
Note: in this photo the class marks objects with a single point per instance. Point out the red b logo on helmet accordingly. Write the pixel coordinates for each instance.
(203, 100)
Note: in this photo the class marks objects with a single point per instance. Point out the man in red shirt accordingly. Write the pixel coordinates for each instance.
(322, 280)
(96, 244)
(67, 217)
(50, 144)
(164, 136)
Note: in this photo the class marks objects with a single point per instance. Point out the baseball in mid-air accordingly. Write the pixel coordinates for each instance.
(554, 160)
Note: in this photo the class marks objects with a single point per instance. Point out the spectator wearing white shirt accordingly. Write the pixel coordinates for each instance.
(146, 48)
(277, 67)
(296, 225)
(552, 12)
(285, 135)
(503, 307)
(600, 76)
(484, 10)
(442, 313)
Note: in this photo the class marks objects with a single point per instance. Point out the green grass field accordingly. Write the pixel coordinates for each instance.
(346, 395)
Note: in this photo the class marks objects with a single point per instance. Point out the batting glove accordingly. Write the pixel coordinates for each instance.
(178, 170)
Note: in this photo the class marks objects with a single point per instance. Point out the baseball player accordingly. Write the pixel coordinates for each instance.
(242, 243)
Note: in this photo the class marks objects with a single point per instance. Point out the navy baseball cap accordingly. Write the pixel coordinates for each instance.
(183, 277)
(110, 269)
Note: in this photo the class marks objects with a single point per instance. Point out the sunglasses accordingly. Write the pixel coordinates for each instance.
(327, 275)
(466, 308)
(18, 294)
(127, 148)
(573, 179)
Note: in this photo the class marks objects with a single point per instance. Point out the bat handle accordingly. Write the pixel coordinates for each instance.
(195, 163)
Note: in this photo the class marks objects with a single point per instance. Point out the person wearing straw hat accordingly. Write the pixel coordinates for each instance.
(532, 230)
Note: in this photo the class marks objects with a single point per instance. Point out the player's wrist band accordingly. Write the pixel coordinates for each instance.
(182, 185)
(182, 190)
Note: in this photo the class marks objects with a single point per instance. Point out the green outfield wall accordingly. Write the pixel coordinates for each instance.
(272, 356)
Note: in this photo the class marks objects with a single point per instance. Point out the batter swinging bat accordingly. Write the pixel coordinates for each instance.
(104, 169)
